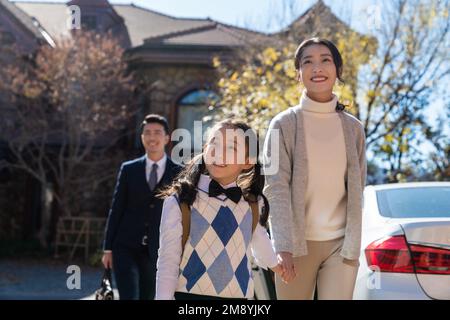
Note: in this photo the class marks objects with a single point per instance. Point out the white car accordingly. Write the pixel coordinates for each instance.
(405, 253)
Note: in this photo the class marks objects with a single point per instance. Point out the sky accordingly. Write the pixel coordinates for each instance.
(253, 14)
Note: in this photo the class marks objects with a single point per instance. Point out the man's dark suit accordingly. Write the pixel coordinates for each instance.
(136, 213)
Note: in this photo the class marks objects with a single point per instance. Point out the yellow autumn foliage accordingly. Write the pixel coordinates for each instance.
(267, 83)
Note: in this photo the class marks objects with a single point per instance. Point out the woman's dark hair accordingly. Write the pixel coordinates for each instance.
(156, 118)
(251, 182)
(337, 58)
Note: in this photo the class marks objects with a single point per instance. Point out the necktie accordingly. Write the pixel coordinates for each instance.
(215, 189)
(153, 177)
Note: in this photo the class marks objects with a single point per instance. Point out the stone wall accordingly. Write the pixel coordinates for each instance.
(170, 84)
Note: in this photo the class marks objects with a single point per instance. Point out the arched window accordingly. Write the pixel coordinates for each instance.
(196, 106)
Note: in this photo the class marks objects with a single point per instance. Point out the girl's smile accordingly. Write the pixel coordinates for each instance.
(222, 155)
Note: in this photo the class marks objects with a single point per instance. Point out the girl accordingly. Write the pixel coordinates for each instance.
(213, 262)
(316, 197)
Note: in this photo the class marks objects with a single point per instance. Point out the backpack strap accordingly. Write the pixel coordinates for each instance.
(255, 214)
(186, 223)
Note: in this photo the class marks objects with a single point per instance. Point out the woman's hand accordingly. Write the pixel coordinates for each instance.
(107, 260)
(287, 263)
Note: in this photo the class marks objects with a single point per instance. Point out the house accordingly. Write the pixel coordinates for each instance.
(173, 56)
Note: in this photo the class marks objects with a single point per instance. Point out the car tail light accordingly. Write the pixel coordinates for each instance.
(391, 254)
(430, 260)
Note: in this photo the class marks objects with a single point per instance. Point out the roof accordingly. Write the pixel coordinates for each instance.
(96, 3)
(213, 34)
(22, 18)
(51, 16)
(144, 25)
(319, 11)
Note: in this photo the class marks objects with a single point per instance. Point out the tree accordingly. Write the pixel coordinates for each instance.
(71, 105)
(262, 81)
(411, 63)
(388, 79)
(439, 159)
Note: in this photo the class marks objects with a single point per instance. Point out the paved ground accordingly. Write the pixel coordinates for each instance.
(44, 280)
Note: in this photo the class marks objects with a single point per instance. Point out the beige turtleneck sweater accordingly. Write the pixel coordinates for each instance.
(326, 196)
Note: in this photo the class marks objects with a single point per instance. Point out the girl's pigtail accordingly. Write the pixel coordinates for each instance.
(257, 186)
(188, 191)
(185, 184)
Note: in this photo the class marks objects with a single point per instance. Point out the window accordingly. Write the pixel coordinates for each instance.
(417, 202)
(195, 106)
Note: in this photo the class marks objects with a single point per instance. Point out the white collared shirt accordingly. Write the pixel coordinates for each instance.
(170, 250)
(161, 167)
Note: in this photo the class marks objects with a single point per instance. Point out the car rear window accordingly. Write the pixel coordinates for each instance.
(422, 202)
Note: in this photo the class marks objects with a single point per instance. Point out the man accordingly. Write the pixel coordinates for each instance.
(132, 230)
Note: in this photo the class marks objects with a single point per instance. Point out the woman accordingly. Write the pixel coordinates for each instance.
(316, 195)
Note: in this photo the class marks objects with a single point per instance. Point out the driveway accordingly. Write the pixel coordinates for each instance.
(45, 280)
